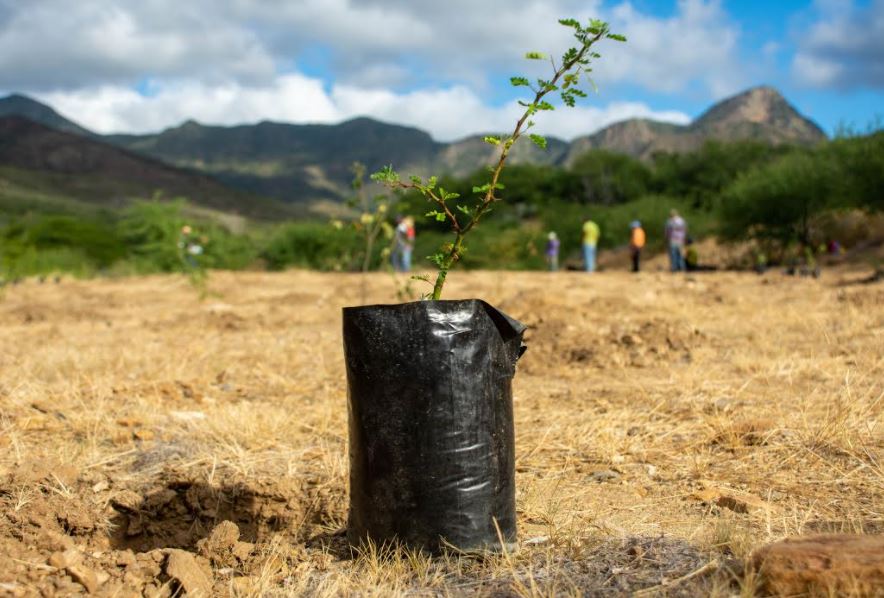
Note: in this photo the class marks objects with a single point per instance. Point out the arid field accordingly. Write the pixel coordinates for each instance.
(666, 426)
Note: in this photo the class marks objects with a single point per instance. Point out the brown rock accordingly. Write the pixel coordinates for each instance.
(63, 560)
(739, 502)
(84, 576)
(183, 567)
(243, 550)
(222, 547)
(126, 558)
(127, 500)
(827, 564)
(144, 435)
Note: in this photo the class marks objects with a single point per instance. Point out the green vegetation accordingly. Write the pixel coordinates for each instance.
(779, 196)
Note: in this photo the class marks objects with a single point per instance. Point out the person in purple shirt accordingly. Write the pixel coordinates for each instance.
(676, 233)
(552, 252)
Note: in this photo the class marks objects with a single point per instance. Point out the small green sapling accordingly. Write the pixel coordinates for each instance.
(464, 215)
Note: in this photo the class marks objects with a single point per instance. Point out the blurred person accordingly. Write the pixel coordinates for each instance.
(591, 234)
(552, 251)
(403, 244)
(760, 262)
(676, 233)
(636, 243)
(189, 248)
(692, 258)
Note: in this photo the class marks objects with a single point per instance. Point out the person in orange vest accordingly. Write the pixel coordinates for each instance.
(636, 242)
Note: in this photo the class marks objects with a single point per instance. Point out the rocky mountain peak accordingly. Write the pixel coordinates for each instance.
(760, 108)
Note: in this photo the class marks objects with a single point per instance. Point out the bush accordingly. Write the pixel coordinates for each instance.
(609, 178)
(310, 245)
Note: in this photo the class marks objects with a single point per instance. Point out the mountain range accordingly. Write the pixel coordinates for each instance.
(238, 167)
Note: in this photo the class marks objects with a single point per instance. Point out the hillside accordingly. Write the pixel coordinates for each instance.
(19, 105)
(310, 164)
(760, 114)
(286, 161)
(48, 162)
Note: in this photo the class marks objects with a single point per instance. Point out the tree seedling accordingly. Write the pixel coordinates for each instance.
(463, 215)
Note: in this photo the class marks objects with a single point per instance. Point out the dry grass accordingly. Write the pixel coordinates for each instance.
(134, 417)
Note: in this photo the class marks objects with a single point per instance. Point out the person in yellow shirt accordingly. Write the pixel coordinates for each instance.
(591, 234)
(636, 242)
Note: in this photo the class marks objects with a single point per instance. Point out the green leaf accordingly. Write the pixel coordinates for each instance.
(539, 140)
(519, 82)
(570, 23)
(616, 37)
(437, 258)
(416, 179)
(464, 209)
(439, 216)
(544, 105)
(386, 175)
(492, 140)
(431, 183)
(535, 56)
(482, 189)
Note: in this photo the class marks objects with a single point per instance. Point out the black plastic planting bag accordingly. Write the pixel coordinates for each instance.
(431, 423)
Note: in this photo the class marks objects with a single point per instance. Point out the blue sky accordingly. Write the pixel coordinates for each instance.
(144, 65)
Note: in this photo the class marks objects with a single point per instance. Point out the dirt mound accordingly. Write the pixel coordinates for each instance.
(623, 344)
(65, 533)
(180, 511)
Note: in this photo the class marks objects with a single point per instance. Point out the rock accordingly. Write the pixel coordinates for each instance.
(739, 502)
(826, 564)
(127, 500)
(126, 558)
(183, 567)
(223, 547)
(224, 536)
(606, 475)
(144, 435)
(85, 576)
(63, 560)
(631, 340)
(243, 550)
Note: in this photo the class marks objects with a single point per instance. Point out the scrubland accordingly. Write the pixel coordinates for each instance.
(666, 427)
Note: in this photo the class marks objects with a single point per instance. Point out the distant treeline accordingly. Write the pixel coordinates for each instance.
(776, 196)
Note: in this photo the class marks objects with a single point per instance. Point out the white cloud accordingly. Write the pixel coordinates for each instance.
(696, 46)
(114, 109)
(844, 48)
(48, 44)
(422, 62)
(447, 113)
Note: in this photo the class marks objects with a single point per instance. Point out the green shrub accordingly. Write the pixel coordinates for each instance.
(310, 245)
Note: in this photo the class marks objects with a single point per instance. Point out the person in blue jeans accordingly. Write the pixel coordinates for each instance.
(591, 233)
(676, 233)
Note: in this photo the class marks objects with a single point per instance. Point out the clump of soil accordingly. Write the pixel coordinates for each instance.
(625, 344)
(65, 533)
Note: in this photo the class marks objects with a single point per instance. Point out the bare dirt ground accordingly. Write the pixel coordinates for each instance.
(666, 427)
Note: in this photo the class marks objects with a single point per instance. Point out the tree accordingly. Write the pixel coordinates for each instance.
(778, 201)
(610, 178)
(564, 80)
